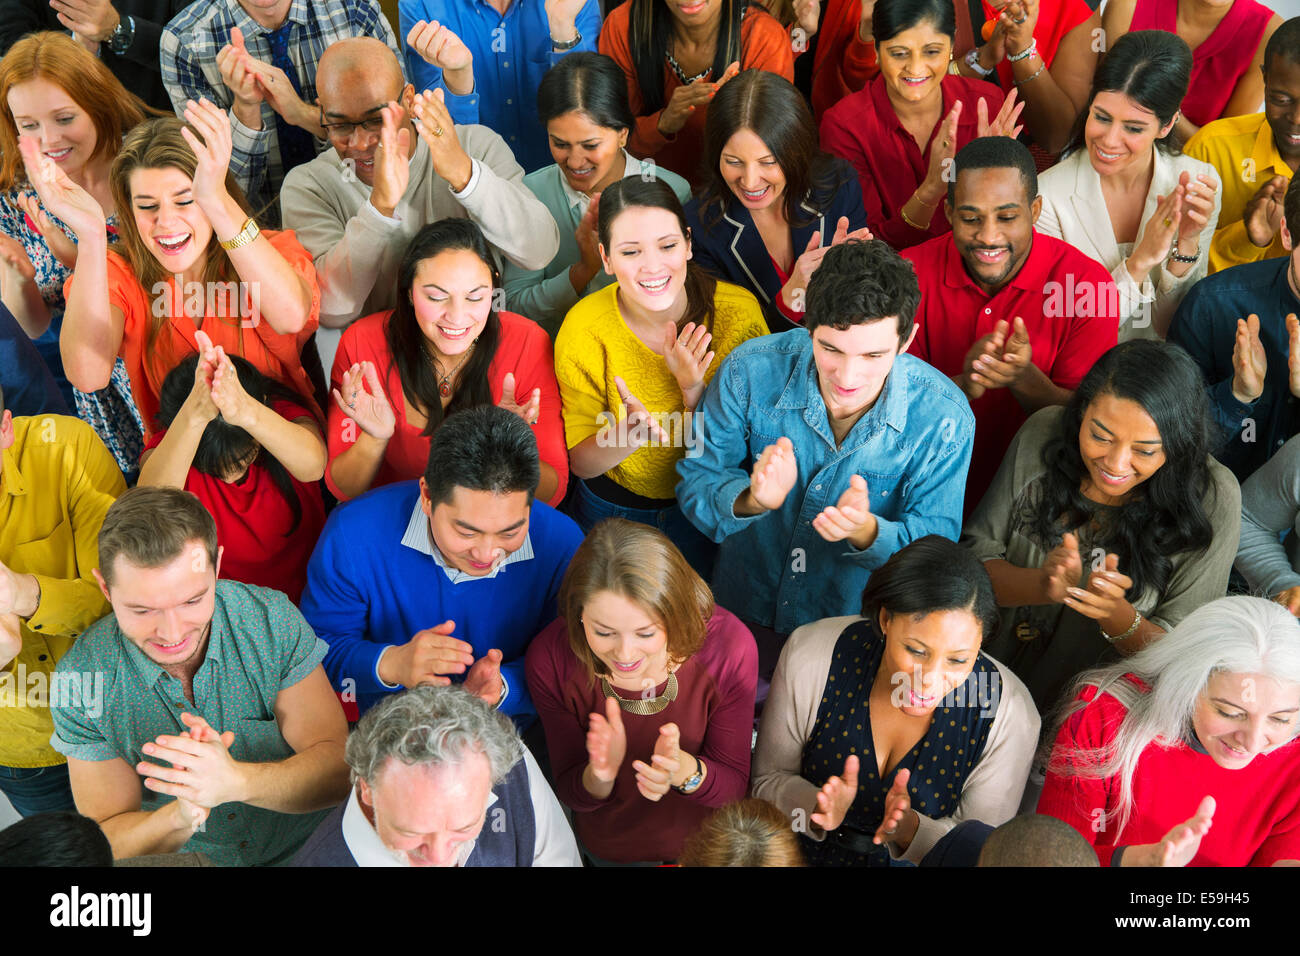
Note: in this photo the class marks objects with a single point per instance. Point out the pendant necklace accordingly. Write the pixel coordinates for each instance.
(444, 383)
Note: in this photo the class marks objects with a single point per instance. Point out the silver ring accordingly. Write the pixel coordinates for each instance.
(1020, 21)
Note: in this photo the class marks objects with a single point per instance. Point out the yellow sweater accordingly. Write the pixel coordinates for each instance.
(594, 344)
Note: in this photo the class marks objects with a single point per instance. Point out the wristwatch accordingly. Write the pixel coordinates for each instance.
(692, 783)
(244, 236)
(568, 44)
(973, 61)
(120, 39)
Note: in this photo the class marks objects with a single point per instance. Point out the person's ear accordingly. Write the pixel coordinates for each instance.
(425, 504)
(604, 258)
(1170, 125)
(103, 585)
(221, 549)
(6, 429)
(622, 138)
(883, 617)
(911, 335)
(689, 251)
(1035, 210)
(364, 794)
(947, 211)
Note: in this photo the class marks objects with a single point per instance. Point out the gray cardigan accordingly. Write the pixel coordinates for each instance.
(1270, 504)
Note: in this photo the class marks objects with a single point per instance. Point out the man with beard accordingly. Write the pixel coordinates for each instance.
(1015, 317)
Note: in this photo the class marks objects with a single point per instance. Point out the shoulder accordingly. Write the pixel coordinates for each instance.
(928, 255)
(589, 311)
(1070, 259)
(1039, 427)
(318, 177)
(526, 334)
(41, 432)
(1225, 494)
(1015, 703)
(676, 182)
(376, 516)
(251, 602)
(557, 533)
(932, 385)
(759, 25)
(851, 110)
(782, 348)
(728, 295)
(618, 19)
(99, 647)
(478, 140)
(544, 183)
(366, 338)
(1181, 163)
(1062, 175)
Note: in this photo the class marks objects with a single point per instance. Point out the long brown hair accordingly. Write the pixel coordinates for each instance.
(63, 61)
(158, 144)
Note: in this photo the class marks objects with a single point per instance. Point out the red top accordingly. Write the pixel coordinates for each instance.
(274, 355)
(1257, 808)
(843, 63)
(764, 45)
(782, 307)
(865, 130)
(253, 518)
(524, 349)
(714, 711)
(1219, 63)
(1069, 329)
(1056, 18)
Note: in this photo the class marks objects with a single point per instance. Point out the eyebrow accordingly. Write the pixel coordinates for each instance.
(373, 109)
(145, 607)
(1103, 113)
(727, 155)
(967, 207)
(635, 242)
(1140, 441)
(1236, 706)
(951, 650)
(179, 192)
(609, 627)
(469, 527)
(434, 285)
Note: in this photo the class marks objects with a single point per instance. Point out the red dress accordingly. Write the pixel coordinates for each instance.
(253, 520)
(1219, 63)
(1257, 808)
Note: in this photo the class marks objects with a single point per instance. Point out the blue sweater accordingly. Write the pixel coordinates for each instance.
(367, 591)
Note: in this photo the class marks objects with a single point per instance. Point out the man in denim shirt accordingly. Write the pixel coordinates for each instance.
(858, 449)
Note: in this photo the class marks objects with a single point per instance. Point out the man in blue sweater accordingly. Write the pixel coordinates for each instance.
(447, 578)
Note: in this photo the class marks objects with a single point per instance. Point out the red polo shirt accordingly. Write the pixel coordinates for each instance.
(865, 130)
(1068, 302)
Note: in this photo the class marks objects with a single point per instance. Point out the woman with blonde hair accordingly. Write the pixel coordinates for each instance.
(645, 689)
(193, 259)
(1186, 753)
(746, 833)
(55, 92)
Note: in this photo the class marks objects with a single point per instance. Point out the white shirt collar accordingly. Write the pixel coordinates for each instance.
(419, 538)
(631, 167)
(368, 850)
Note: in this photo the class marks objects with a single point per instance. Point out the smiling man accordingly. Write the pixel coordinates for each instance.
(1015, 317)
(447, 578)
(212, 695)
(857, 450)
(357, 206)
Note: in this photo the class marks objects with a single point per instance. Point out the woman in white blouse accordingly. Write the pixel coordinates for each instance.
(1124, 194)
(881, 733)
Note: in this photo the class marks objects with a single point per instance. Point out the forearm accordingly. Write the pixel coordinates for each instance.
(282, 296)
(140, 833)
(353, 471)
(746, 506)
(23, 298)
(599, 789)
(549, 482)
(1049, 113)
(1017, 587)
(1034, 390)
(250, 114)
(307, 781)
(296, 447)
(86, 341)
(169, 465)
(596, 455)
(1121, 620)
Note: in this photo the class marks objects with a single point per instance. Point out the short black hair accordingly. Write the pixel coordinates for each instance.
(1034, 839)
(862, 282)
(932, 574)
(892, 17)
(1285, 42)
(62, 838)
(484, 448)
(995, 152)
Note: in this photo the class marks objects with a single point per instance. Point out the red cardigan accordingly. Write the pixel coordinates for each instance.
(524, 349)
(1257, 808)
(714, 711)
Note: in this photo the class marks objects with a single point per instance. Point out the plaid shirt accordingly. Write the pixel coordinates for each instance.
(191, 41)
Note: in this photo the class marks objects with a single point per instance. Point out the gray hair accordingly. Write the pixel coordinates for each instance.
(434, 726)
(1233, 635)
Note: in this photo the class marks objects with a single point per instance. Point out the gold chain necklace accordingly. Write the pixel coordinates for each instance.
(641, 706)
(444, 386)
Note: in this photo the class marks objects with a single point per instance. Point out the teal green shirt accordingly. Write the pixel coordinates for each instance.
(546, 295)
(118, 700)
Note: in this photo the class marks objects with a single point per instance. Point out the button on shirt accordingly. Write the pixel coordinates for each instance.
(258, 646)
(511, 55)
(913, 447)
(57, 481)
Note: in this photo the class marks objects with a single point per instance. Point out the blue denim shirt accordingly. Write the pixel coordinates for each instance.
(913, 448)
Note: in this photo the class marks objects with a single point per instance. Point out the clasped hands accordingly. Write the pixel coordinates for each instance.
(849, 519)
(899, 822)
(1103, 599)
(202, 775)
(432, 654)
(995, 361)
(669, 765)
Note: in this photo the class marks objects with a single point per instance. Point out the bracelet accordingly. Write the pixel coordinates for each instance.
(1031, 76)
(1175, 257)
(916, 226)
(973, 61)
(1137, 620)
(247, 234)
(927, 205)
(568, 44)
(1024, 54)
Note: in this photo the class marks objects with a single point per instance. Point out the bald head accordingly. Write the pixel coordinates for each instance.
(358, 62)
(1033, 839)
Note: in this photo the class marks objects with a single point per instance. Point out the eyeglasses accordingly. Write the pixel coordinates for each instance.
(344, 131)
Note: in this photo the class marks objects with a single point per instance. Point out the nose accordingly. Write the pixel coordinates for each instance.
(173, 627)
(359, 138)
(483, 553)
(1256, 736)
(440, 851)
(1118, 461)
(989, 234)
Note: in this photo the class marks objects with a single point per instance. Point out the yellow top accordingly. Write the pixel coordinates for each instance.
(1242, 150)
(594, 344)
(56, 482)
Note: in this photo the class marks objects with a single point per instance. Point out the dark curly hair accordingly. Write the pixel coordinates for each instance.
(862, 282)
(1164, 516)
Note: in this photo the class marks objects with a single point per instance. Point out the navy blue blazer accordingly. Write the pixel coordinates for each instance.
(732, 250)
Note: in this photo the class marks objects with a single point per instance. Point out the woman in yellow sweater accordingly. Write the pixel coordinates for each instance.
(633, 361)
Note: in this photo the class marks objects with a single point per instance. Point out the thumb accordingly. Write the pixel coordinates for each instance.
(614, 714)
(446, 627)
(851, 769)
(237, 38)
(858, 483)
(1070, 541)
(228, 739)
(900, 780)
(1020, 333)
(202, 341)
(815, 242)
(1206, 807)
(508, 388)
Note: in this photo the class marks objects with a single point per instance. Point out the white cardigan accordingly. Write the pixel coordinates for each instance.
(991, 792)
(1075, 210)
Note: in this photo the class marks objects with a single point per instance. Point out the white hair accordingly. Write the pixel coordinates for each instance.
(1233, 635)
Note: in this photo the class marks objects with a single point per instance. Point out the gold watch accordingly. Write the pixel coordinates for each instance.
(247, 234)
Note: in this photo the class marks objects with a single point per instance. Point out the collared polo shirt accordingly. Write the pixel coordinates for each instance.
(258, 646)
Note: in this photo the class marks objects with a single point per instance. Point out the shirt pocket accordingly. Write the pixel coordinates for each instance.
(884, 491)
(52, 552)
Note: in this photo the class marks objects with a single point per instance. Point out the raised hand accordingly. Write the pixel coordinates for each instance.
(1104, 597)
(897, 803)
(836, 796)
(1062, 569)
(530, 410)
(606, 742)
(61, 247)
(427, 658)
(434, 123)
(1249, 361)
(14, 258)
(438, 46)
(1293, 353)
(562, 18)
(237, 407)
(687, 355)
(849, 518)
(654, 779)
(212, 153)
(774, 474)
(1263, 213)
(1158, 234)
(361, 397)
(1005, 123)
(392, 169)
(484, 678)
(996, 361)
(1018, 20)
(79, 210)
(641, 425)
(93, 21)
(199, 404)
(807, 14)
(683, 103)
(942, 150)
(1198, 207)
(1181, 844)
(237, 73)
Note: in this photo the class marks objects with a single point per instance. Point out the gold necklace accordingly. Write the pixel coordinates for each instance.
(643, 706)
(444, 386)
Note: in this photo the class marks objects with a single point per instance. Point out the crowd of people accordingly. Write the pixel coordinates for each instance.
(697, 432)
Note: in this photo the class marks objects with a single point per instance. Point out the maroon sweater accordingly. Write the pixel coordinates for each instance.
(714, 711)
